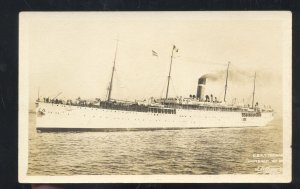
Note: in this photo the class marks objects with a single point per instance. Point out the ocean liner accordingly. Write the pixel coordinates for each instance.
(196, 111)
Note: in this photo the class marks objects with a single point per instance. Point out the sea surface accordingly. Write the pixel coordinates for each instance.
(256, 150)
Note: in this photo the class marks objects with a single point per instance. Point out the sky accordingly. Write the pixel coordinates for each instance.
(73, 53)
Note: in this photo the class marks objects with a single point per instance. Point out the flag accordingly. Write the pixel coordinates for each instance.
(175, 48)
(154, 53)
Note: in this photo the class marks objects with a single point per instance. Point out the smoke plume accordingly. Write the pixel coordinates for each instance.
(237, 75)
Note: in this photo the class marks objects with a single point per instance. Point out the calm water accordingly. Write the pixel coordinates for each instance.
(191, 151)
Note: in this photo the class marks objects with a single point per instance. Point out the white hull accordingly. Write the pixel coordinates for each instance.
(58, 117)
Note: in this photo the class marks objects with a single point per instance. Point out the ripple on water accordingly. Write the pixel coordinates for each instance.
(190, 151)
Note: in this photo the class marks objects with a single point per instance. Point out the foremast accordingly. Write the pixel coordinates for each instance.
(169, 76)
(253, 94)
(112, 74)
(226, 82)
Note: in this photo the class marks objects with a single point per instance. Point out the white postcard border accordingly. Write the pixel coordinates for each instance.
(247, 178)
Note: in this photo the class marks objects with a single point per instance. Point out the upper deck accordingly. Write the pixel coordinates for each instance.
(161, 107)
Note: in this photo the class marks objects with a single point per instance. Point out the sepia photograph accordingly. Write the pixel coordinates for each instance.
(155, 97)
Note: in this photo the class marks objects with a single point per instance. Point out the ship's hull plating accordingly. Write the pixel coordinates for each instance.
(59, 117)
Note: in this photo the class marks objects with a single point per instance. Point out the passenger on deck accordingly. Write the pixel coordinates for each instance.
(206, 98)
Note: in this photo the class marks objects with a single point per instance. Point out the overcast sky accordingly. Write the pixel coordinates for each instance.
(73, 53)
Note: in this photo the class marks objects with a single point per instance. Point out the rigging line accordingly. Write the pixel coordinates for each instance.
(163, 89)
(118, 82)
(172, 83)
(240, 71)
(220, 94)
(248, 99)
(130, 42)
(192, 59)
(145, 48)
(119, 86)
(155, 88)
(53, 95)
(195, 59)
(107, 91)
(202, 61)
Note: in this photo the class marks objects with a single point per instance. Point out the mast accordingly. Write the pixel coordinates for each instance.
(112, 73)
(169, 77)
(226, 82)
(253, 89)
(39, 94)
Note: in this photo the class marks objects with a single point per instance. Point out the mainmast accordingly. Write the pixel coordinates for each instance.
(253, 89)
(39, 94)
(169, 77)
(112, 73)
(226, 82)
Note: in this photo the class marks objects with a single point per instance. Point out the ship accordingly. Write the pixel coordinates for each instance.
(193, 112)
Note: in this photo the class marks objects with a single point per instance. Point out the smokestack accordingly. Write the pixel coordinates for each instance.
(201, 88)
